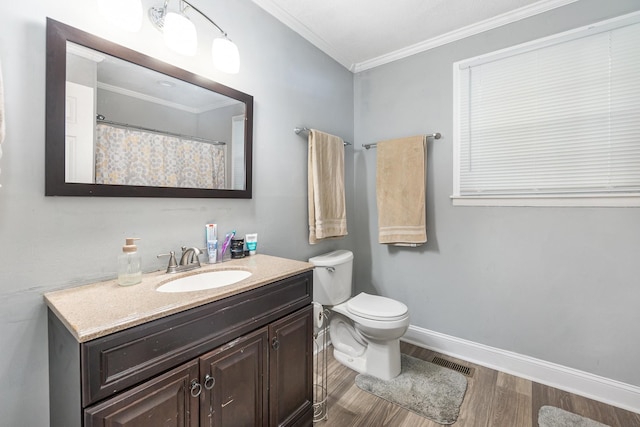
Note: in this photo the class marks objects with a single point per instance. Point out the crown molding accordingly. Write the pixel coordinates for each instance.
(84, 52)
(175, 105)
(470, 30)
(291, 22)
(452, 36)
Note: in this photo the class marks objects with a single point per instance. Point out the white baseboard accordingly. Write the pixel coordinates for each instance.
(582, 383)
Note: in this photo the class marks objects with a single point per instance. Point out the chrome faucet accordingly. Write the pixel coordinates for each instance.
(189, 260)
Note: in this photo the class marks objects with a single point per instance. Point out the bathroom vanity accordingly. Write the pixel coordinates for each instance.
(239, 355)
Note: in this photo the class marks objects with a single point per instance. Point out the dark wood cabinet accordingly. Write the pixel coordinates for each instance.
(291, 369)
(162, 401)
(236, 383)
(242, 361)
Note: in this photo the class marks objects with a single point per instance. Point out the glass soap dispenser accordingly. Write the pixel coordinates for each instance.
(129, 264)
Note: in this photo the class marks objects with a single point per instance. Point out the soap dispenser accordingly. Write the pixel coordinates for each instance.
(129, 264)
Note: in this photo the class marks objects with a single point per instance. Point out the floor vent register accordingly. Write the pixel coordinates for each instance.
(464, 370)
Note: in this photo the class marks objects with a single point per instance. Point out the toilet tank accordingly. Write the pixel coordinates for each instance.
(332, 277)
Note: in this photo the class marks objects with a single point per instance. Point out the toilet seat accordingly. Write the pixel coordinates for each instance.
(375, 307)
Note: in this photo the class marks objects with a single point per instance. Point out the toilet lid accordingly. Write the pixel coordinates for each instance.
(376, 307)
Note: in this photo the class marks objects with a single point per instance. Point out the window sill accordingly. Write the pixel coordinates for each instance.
(619, 201)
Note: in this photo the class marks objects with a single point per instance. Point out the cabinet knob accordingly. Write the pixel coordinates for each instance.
(275, 344)
(209, 382)
(196, 388)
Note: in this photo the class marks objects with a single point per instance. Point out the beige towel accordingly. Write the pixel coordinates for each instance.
(400, 191)
(327, 211)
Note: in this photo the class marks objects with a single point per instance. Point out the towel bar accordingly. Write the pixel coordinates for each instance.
(436, 135)
(305, 130)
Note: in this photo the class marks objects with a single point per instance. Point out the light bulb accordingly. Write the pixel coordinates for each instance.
(126, 14)
(225, 54)
(180, 34)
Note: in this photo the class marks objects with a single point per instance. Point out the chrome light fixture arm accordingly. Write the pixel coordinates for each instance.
(157, 14)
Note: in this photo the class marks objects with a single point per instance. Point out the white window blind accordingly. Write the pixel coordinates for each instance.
(556, 118)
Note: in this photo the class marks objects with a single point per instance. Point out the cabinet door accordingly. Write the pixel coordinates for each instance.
(164, 401)
(291, 369)
(235, 385)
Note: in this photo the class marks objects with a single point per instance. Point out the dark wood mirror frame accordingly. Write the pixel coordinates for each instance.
(57, 36)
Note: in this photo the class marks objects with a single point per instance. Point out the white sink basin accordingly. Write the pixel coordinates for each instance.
(204, 281)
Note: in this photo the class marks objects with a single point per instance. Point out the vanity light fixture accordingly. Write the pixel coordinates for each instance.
(225, 55)
(180, 35)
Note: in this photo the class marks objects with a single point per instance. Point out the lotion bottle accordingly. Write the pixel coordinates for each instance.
(129, 264)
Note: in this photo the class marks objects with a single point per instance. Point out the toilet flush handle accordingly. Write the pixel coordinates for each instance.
(330, 269)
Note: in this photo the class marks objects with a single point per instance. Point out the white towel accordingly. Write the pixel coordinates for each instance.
(400, 191)
(327, 208)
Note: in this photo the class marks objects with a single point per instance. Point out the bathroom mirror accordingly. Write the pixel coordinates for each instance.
(120, 123)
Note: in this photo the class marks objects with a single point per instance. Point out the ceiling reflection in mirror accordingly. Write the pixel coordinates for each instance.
(129, 126)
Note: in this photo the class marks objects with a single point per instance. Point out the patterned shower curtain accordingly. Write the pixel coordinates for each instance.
(133, 157)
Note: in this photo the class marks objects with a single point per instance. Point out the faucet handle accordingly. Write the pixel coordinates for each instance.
(196, 251)
(173, 264)
(199, 251)
(196, 255)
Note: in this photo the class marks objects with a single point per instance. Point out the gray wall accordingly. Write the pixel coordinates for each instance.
(212, 124)
(559, 284)
(121, 108)
(48, 243)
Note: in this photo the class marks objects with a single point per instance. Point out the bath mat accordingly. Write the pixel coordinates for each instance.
(550, 416)
(428, 390)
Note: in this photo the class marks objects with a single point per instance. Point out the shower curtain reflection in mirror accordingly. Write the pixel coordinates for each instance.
(133, 157)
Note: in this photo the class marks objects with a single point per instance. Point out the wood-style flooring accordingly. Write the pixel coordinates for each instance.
(493, 399)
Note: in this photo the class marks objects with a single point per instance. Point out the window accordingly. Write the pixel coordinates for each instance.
(551, 122)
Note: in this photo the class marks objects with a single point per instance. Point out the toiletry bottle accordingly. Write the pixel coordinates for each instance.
(129, 264)
(237, 247)
(252, 242)
(212, 242)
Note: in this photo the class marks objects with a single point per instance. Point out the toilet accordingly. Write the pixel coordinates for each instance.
(365, 330)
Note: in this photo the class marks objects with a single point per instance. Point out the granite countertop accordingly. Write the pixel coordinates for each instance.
(95, 310)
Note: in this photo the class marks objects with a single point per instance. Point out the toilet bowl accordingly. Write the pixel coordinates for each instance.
(368, 345)
(365, 330)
